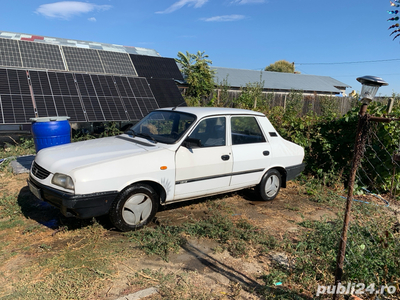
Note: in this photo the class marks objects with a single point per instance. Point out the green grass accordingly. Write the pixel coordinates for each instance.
(235, 236)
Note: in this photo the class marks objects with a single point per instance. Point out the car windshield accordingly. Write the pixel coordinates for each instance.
(163, 126)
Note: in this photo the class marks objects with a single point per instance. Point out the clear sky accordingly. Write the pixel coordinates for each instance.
(343, 39)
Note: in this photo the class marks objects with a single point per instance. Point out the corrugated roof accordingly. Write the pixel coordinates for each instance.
(278, 81)
(78, 43)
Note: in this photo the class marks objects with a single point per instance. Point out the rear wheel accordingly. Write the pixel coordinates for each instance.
(135, 207)
(270, 185)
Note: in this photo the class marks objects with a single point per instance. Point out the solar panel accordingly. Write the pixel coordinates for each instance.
(4, 86)
(166, 92)
(117, 63)
(107, 94)
(83, 60)
(56, 95)
(123, 86)
(143, 95)
(109, 86)
(82, 97)
(9, 53)
(66, 96)
(156, 67)
(132, 108)
(45, 106)
(13, 81)
(89, 98)
(15, 99)
(41, 56)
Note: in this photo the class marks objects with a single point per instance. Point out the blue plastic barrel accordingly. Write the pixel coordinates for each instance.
(50, 131)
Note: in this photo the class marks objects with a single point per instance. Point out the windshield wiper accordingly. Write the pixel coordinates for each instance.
(146, 136)
(130, 132)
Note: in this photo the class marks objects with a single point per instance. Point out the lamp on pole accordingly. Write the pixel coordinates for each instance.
(369, 88)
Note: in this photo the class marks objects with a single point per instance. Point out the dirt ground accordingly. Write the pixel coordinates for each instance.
(214, 271)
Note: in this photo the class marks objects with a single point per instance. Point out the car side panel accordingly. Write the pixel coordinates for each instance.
(249, 163)
(157, 166)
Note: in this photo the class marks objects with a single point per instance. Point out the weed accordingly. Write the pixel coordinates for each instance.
(24, 147)
(293, 208)
(160, 241)
(9, 206)
(274, 277)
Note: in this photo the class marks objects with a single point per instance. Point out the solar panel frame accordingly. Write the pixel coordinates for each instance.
(9, 53)
(4, 86)
(7, 109)
(83, 60)
(41, 56)
(156, 67)
(89, 98)
(166, 92)
(16, 102)
(117, 63)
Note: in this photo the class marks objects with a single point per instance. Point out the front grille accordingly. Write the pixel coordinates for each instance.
(39, 172)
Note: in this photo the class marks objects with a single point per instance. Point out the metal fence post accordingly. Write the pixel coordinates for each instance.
(358, 152)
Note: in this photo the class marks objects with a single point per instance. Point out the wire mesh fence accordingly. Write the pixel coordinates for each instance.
(371, 266)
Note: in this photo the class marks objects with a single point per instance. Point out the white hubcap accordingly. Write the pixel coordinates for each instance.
(137, 209)
(272, 185)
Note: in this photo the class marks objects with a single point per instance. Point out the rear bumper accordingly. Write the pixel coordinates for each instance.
(80, 206)
(294, 171)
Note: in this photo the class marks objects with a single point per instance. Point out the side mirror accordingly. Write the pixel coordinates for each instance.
(191, 143)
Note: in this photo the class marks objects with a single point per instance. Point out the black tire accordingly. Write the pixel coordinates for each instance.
(134, 207)
(270, 185)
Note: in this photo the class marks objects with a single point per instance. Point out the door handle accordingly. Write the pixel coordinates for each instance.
(266, 153)
(225, 157)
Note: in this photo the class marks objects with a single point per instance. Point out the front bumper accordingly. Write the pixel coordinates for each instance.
(294, 171)
(71, 205)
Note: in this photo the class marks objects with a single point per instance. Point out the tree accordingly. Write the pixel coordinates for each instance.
(281, 66)
(198, 75)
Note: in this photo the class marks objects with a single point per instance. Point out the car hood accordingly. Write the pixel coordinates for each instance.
(67, 157)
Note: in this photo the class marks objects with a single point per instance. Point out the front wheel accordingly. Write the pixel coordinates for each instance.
(270, 185)
(135, 207)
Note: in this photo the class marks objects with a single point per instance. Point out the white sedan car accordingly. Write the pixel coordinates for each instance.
(171, 155)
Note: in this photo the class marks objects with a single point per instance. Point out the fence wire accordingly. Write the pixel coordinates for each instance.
(373, 241)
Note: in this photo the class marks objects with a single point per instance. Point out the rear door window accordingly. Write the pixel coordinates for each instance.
(245, 130)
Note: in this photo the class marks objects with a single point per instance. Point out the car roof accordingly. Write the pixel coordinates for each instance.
(201, 112)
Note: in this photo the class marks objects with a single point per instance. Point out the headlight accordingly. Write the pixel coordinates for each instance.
(63, 180)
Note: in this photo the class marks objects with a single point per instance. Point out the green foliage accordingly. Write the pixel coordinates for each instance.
(110, 129)
(25, 146)
(198, 75)
(251, 96)
(159, 241)
(221, 95)
(281, 66)
(328, 140)
(377, 163)
(26, 143)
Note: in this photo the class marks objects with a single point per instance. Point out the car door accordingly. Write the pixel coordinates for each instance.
(250, 150)
(207, 168)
